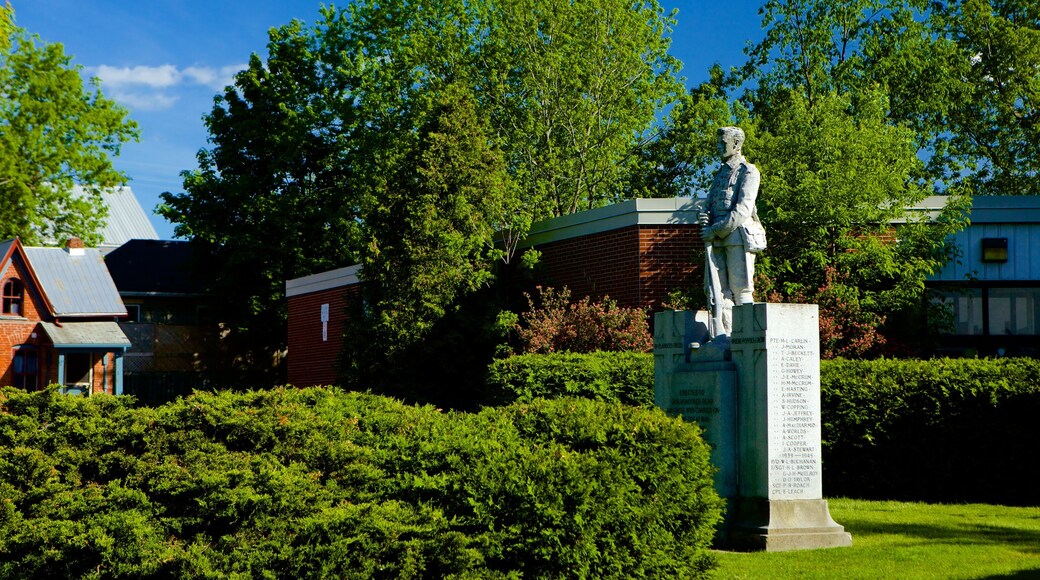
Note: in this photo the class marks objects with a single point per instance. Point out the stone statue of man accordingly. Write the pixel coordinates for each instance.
(732, 233)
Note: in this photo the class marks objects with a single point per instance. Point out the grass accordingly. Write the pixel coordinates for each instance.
(909, 540)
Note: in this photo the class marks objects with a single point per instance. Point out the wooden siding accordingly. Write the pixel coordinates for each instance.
(1023, 254)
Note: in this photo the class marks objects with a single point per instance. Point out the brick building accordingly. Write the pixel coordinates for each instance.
(317, 314)
(58, 319)
(636, 252)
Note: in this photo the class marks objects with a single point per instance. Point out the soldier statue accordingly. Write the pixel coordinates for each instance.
(732, 234)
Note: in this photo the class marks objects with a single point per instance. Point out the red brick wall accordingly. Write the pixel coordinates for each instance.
(670, 258)
(17, 330)
(637, 266)
(597, 265)
(313, 361)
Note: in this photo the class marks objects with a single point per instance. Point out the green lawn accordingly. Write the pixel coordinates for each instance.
(910, 540)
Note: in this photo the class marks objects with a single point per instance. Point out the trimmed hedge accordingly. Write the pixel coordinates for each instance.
(933, 430)
(624, 377)
(321, 483)
(926, 430)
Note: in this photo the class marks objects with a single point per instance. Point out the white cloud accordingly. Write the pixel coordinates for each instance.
(150, 76)
(153, 101)
(214, 78)
(148, 87)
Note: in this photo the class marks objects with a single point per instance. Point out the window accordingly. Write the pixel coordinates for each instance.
(12, 298)
(967, 310)
(25, 368)
(1014, 311)
(133, 313)
(992, 310)
(78, 369)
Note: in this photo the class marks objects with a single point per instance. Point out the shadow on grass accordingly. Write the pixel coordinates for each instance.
(1025, 541)
(1022, 575)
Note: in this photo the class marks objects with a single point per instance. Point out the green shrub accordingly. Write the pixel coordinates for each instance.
(625, 377)
(935, 430)
(317, 482)
(939, 430)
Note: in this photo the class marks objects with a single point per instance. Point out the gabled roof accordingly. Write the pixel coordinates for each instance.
(126, 218)
(70, 285)
(75, 285)
(6, 249)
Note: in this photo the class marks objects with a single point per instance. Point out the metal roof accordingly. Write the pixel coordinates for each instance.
(5, 247)
(126, 218)
(76, 285)
(86, 334)
(323, 281)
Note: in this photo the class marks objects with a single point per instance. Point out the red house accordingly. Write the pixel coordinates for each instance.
(58, 319)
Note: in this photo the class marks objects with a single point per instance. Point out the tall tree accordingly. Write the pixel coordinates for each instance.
(966, 77)
(841, 166)
(404, 135)
(271, 200)
(54, 133)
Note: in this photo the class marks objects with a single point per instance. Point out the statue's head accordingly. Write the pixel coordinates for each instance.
(731, 139)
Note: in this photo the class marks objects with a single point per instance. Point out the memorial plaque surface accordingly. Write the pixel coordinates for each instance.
(794, 432)
(701, 391)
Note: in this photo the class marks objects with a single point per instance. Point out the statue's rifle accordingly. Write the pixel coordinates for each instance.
(715, 294)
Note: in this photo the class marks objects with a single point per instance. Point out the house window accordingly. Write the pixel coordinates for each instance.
(25, 368)
(14, 293)
(133, 313)
(79, 368)
(992, 310)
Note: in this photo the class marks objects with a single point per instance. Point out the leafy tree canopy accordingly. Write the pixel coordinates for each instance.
(844, 152)
(54, 133)
(964, 76)
(405, 135)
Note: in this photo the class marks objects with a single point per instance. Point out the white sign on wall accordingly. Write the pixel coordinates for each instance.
(324, 322)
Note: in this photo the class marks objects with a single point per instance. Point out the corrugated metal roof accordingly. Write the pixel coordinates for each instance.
(5, 247)
(86, 334)
(76, 285)
(126, 221)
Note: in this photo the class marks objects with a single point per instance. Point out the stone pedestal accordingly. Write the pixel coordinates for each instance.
(759, 404)
(698, 384)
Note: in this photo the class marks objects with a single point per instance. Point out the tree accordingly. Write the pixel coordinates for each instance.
(54, 133)
(967, 78)
(430, 231)
(271, 200)
(407, 136)
(964, 76)
(840, 170)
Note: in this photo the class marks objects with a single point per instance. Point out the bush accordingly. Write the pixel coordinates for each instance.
(316, 482)
(558, 325)
(847, 328)
(932, 430)
(925, 430)
(624, 377)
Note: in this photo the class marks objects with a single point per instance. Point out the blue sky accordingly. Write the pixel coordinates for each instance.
(164, 60)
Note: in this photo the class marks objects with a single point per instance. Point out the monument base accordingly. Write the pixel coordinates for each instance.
(779, 525)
